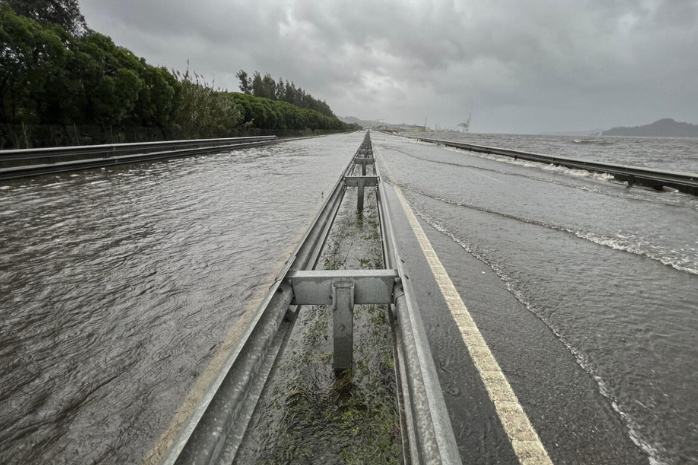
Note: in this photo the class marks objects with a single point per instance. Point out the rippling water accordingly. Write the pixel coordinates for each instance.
(669, 153)
(118, 286)
(612, 271)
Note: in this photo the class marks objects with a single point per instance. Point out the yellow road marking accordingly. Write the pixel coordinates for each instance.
(523, 436)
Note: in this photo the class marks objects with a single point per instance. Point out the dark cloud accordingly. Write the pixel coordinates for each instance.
(517, 66)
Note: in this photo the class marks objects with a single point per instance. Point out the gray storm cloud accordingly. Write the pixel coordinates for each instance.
(517, 66)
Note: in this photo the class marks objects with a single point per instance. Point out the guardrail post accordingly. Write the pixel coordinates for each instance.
(360, 200)
(343, 310)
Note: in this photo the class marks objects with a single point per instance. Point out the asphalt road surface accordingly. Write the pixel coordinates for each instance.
(585, 298)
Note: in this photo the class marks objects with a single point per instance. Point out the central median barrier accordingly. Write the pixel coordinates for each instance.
(217, 425)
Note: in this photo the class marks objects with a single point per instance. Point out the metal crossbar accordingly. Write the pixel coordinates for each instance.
(315, 287)
(215, 429)
(354, 181)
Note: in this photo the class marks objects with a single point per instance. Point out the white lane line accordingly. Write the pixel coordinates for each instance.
(523, 436)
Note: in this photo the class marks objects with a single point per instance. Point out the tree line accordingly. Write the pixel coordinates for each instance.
(266, 87)
(58, 78)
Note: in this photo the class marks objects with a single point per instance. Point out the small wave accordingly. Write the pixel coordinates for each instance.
(680, 200)
(652, 451)
(592, 142)
(576, 172)
(534, 164)
(617, 243)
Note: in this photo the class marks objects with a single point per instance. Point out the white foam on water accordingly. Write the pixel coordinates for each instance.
(537, 165)
(636, 246)
(673, 196)
(654, 452)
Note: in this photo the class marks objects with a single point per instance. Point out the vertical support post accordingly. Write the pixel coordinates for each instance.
(360, 200)
(343, 310)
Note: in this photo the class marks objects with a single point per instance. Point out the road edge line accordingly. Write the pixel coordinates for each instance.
(523, 437)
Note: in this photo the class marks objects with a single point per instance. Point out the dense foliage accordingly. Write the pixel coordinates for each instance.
(267, 87)
(68, 81)
(265, 113)
(65, 13)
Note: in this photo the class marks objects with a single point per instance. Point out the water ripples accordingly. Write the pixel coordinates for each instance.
(611, 271)
(118, 286)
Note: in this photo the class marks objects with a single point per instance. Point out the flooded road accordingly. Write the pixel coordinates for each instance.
(119, 287)
(678, 154)
(610, 273)
(121, 290)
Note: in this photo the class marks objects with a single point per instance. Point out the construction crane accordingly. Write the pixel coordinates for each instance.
(466, 126)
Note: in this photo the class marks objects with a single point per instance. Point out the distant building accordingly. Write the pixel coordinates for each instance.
(411, 128)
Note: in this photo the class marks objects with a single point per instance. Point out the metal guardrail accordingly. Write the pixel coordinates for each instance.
(47, 160)
(215, 429)
(429, 434)
(114, 149)
(633, 175)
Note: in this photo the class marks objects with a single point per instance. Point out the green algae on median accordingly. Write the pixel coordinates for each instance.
(313, 416)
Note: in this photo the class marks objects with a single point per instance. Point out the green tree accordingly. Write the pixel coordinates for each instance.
(257, 86)
(268, 87)
(64, 13)
(279, 90)
(33, 59)
(108, 78)
(158, 99)
(245, 82)
(52, 80)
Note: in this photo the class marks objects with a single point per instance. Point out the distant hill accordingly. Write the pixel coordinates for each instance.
(366, 124)
(666, 127)
(361, 122)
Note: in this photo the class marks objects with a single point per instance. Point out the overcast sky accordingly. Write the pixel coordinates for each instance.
(517, 66)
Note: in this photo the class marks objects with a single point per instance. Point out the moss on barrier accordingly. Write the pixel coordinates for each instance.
(307, 415)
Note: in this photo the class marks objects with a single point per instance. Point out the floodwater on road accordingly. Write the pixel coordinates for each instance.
(122, 288)
(612, 271)
(678, 154)
(119, 286)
